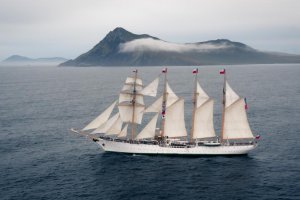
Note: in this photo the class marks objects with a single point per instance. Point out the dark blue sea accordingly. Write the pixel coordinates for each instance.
(40, 158)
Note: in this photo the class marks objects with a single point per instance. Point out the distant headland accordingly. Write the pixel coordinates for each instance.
(17, 60)
(123, 48)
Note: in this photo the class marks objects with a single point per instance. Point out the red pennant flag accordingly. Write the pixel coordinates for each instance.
(195, 71)
(246, 105)
(222, 71)
(257, 137)
(165, 70)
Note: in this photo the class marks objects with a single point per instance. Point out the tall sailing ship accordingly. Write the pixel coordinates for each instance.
(167, 113)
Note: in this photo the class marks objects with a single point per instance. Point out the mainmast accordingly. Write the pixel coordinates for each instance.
(164, 103)
(195, 71)
(133, 125)
(224, 104)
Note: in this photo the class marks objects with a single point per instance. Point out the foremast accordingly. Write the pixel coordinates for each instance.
(133, 125)
(131, 103)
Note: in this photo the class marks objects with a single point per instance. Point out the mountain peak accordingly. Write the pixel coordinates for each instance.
(120, 30)
(106, 48)
(121, 35)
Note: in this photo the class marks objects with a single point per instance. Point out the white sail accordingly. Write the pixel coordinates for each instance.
(149, 130)
(104, 127)
(236, 125)
(126, 109)
(129, 87)
(115, 128)
(203, 124)
(174, 121)
(131, 80)
(126, 87)
(151, 89)
(125, 101)
(123, 133)
(155, 106)
(231, 96)
(171, 96)
(101, 119)
(201, 95)
(128, 97)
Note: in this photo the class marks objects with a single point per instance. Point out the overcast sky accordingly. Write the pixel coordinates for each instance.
(68, 28)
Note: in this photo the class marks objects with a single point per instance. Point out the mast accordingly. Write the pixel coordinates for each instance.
(224, 104)
(236, 125)
(195, 71)
(133, 125)
(164, 102)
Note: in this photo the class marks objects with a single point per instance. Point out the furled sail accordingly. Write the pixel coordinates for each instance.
(107, 125)
(174, 121)
(149, 130)
(101, 119)
(203, 121)
(123, 133)
(236, 125)
(151, 89)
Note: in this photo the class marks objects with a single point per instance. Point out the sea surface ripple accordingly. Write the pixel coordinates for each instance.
(41, 159)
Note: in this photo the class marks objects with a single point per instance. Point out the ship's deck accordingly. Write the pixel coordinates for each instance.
(176, 144)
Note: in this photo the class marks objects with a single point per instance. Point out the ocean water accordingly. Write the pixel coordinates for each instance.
(41, 159)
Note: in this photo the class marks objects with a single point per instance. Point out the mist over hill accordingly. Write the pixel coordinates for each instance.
(123, 48)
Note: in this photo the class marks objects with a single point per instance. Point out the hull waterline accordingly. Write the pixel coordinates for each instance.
(155, 149)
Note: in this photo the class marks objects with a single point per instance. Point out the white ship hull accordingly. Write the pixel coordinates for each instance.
(132, 148)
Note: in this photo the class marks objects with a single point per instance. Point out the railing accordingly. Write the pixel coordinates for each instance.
(174, 145)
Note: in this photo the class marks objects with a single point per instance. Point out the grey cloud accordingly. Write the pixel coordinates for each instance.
(149, 44)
